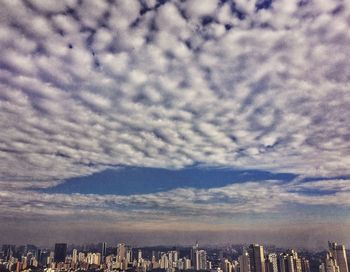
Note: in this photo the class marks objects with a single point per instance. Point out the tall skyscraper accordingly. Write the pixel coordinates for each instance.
(187, 264)
(173, 258)
(273, 260)
(243, 261)
(193, 254)
(139, 255)
(75, 256)
(330, 264)
(281, 262)
(38, 255)
(164, 261)
(226, 266)
(339, 254)
(256, 258)
(305, 265)
(290, 263)
(201, 260)
(103, 250)
(129, 255)
(60, 252)
(121, 252)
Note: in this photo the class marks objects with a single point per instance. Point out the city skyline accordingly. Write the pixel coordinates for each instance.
(123, 257)
(164, 121)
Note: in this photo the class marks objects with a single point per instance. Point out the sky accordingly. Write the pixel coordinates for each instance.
(170, 121)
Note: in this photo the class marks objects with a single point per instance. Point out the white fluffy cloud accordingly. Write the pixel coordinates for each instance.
(262, 97)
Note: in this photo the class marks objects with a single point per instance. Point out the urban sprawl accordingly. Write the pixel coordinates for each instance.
(248, 258)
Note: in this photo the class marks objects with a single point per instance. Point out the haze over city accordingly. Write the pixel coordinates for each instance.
(162, 122)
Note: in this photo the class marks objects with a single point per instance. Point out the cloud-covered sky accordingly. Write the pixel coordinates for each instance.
(254, 87)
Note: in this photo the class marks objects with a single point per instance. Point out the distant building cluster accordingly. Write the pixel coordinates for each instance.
(253, 258)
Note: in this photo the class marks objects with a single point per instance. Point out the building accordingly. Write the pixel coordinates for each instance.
(103, 250)
(94, 258)
(194, 249)
(330, 264)
(256, 258)
(60, 253)
(297, 265)
(290, 263)
(121, 252)
(305, 265)
(8, 251)
(281, 262)
(173, 258)
(268, 265)
(201, 260)
(273, 266)
(75, 256)
(187, 264)
(164, 261)
(243, 261)
(226, 266)
(139, 255)
(129, 255)
(339, 254)
(81, 257)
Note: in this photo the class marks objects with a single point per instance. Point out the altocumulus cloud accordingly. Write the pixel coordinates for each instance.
(87, 85)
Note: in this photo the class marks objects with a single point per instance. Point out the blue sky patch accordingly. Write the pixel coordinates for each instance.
(139, 180)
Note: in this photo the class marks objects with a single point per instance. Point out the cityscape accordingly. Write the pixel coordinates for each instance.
(174, 135)
(122, 257)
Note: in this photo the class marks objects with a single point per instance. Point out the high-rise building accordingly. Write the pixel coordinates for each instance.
(187, 264)
(293, 261)
(256, 258)
(243, 261)
(330, 264)
(193, 254)
(139, 255)
(164, 261)
(180, 265)
(305, 265)
(60, 252)
(297, 265)
(129, 255)
(339, 253)
(268, 265)
(75, 256)
(281, 262)
(8, 250)
(272, 257)
(50, 258)
(81, 256)
(289, 263)
(89, 258)
(173, 258)
(103, 250)
(96, 258)
(201, 260)
(38, 254)
(226, 266)
(121, 252)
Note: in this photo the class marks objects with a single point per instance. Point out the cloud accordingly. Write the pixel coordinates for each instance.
(91, 85)
(228, 203)
(196, 8)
